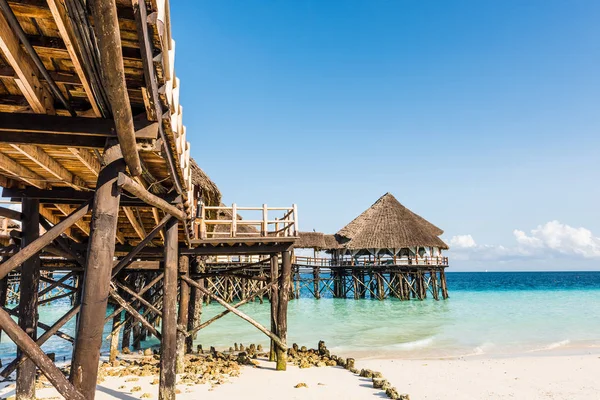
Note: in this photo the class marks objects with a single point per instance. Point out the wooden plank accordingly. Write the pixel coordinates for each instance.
(133, 220)
(18, 171)
(50, 165)
(90, 162)
(28, 82)
(101, 249)
(61, 19)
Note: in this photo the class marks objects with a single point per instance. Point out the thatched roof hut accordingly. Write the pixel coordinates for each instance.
(210, 193)
(310, 240)
(387, 224)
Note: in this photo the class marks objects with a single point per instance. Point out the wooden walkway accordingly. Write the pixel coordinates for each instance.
(113, 209)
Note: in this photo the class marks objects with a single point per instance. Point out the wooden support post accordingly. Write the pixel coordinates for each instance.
(28, 300)
(196, 298)
(106, 26)
(284, 290)
(444, 285)
(101, 250)
(114, 338)
(184, 301)
(168, 344)
(317, 282)
(3, 295)
(137, 327)
(380, 286)
(434, 284)
(274, 303)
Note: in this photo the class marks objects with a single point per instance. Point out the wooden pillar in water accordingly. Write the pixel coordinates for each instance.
(444, 285)
(356, 285)
(380, 287)
(137, 330)
(284, 289)
(434, 284)
(28, 297)
(182, 319)
(274, 304)
(317, 282)
(168, 343)
(3, 293)
(196, 299)
(96, 280)
(114, 338)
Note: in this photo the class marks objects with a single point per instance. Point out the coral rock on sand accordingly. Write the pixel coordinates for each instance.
(301, 385)
(148, 352)
(379, 383)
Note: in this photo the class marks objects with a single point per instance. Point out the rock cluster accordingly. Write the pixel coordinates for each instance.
(320, 357)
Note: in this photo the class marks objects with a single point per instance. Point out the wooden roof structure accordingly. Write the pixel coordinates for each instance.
(63, 94)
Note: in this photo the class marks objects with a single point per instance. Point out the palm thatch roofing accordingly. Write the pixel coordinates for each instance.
(310, 240)
(387, 224)
(210, 193)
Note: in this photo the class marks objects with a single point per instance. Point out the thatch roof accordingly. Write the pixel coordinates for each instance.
(331, 242)
(226, 215)
(310, 240)
(387, 224)
(211, 195)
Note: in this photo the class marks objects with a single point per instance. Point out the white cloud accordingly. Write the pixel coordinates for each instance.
(550, 240)
(462, 242)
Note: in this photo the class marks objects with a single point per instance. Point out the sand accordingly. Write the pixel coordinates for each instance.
(529, 377)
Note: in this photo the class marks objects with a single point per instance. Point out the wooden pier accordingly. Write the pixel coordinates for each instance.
(115, 215)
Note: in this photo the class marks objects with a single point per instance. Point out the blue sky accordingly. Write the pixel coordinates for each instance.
(482, 116)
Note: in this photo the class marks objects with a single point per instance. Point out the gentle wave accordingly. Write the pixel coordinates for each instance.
(551, 346)
(416, 344)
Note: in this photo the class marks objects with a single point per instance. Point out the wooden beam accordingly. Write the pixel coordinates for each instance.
(51, 139)
(18, 171)
(44, 363)
(133, 312)
(12, 214)
(50, 165)
(168, 344)
(96, 280)
(134, 188)
(133, 220)
(28, 82)
(282, 306)
(61, 19)
(37, 245)
(41, 123)
(54, 220)
(28, 295)
(240, 314)
(274, 263)
(84, 156)
(156, 216)
(106, 26)
(183, 313)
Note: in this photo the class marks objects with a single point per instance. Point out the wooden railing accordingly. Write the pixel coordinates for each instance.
(274, 222)
(346, 262)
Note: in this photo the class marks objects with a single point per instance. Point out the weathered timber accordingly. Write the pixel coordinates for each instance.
(248, 299)
(12, 214)
(106, 26)
(43, 362)
(133, 312)
(101, 249)
(284, 293)
(37, 245)
(168, 344)
(182, 318)
(9, 369)
(274, 303)
(137, 190)
(240, 314)
(28, 300)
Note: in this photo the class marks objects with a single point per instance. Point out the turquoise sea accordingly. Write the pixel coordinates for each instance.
(495, 313)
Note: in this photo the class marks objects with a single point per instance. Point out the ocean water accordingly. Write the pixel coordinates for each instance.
(495, 314)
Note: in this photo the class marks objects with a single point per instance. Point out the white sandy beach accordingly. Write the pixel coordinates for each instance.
(570, 377)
